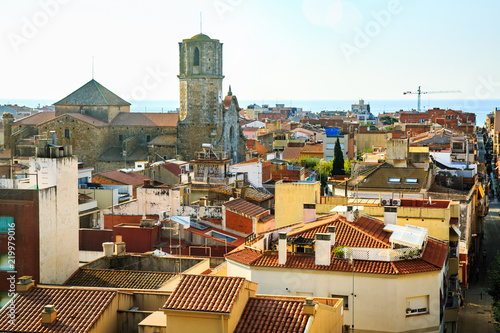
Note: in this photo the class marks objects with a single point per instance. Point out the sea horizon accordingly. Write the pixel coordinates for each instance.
(481, 107)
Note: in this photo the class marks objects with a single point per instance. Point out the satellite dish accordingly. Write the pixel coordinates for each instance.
(37, 166)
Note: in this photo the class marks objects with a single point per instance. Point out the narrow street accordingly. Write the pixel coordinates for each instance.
(476, 315)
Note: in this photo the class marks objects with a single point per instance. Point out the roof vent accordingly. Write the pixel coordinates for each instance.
(49, 314)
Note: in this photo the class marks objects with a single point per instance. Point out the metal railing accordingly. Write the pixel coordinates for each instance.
(382, 254)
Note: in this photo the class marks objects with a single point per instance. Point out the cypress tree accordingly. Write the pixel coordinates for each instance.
(338, 160)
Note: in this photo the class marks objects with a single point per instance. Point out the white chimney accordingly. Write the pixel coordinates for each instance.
(108, 248)
(331, 231)
(309, 213)
(282, 248)
(323, 249)
(390, 215)
(349, 214)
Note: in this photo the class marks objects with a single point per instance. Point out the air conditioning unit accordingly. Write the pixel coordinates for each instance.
(187, 190)
(396, 202)
(385, 202)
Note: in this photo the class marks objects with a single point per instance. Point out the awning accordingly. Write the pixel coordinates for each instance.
(481, 190)
(457, 231)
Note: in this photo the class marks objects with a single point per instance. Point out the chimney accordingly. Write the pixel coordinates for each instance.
(49, 315)
(282, 248)
(25, 283)
(108, 248)
(390, 215)
(309, 307)
(323, 249)
(349, 215)
(120, 248)
(331, 231)
(309, 213)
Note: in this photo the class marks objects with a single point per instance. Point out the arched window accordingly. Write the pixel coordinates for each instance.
(196, 60)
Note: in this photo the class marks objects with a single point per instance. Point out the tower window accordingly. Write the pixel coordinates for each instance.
(196, 60)
(66, 133)
(148, 138)
(120, 137)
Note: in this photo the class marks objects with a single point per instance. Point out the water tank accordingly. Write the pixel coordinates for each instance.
(108, 248)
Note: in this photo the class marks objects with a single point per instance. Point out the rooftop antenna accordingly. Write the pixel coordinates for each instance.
(92, 67)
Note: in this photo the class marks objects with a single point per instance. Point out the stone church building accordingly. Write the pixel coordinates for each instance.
(106, 135)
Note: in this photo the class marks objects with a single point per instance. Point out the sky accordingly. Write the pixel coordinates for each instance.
(273, 50)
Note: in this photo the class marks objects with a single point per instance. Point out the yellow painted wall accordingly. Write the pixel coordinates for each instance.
(290, 198)
(327, 319)
(108, 321)
(366, 141)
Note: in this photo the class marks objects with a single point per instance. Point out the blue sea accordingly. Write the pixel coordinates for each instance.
(481, 107)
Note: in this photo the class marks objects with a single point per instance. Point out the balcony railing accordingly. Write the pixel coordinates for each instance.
(382, 254)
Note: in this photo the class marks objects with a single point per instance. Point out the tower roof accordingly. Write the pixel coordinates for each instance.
(200, 36)
(92, 93)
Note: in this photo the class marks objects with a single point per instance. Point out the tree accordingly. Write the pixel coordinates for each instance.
(494, 286)
(324, 170)
(347, 167)
(338, 160)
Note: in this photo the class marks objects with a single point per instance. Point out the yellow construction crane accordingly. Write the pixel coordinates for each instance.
(419, 92)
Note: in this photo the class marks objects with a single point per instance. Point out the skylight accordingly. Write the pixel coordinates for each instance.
(408, 235)
(411, 180)
(394, 180)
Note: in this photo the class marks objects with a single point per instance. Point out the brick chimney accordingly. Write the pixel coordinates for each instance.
(49, 315)
(282, 248)
(25, 283)
(322, 249)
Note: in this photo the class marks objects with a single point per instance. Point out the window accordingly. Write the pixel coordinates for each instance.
(345, 298)
(120, 137)
(417, 305)
(6, 223)
(66, 133)
(330, 146)
(394, 180)
(411, 181)
(148, 138)
(4, 262)
(196, 59)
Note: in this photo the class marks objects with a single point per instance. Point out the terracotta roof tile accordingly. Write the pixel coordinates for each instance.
(164, 140)
(130, 178)
(435, 252)
(148, 119)
(365, 232)
(174, 168)
(312, 148)
(36, 118)
(77, 309)
(267, 218)
(257, 196)
(205, 293)
(244, 207)
(292, 153)
(245, 255)
(109, 278)
(272, 316)
(87, 119)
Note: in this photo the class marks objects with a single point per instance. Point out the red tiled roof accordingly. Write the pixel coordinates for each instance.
(244, 207)
(36, 118)
(312, 148)
(435, 252)
(110, 278)
(267, 315)
(245, 255)
(205, 293)
(257, 196)
(365, 232)
(130, 178)
(173, 168)
(292, 153)
(77, 309)
(146, 119)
